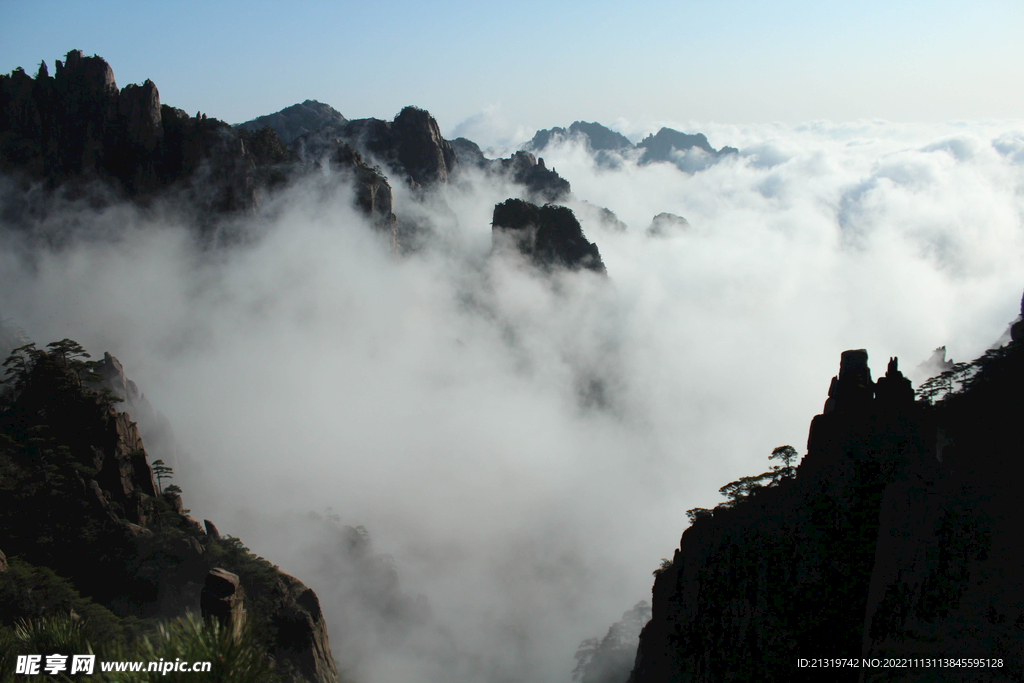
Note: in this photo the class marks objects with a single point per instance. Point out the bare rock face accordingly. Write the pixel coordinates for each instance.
(426, 156)
(549, 235)
(142, 137)
(411, 146)
(90, 97)
(139, 106)
(372, 190)
(211, 530)
(222, 598)
(301, 632)
(112, 378)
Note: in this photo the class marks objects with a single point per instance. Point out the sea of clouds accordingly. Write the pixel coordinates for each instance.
(525, 446)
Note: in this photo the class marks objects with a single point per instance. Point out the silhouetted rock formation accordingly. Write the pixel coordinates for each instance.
(667, 225)
(541, 183)
(223, 598)
(410, 146)
(676, 148)
(875, 548)
(935, 365)
(609, 147)
(594, 135)
(77, 126)
(426, 156)
(549, 235)
(297, 120)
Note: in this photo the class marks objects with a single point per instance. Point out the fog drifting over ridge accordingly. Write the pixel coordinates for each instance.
(436, 398)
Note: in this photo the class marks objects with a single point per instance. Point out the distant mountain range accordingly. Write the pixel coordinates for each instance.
(689, 152)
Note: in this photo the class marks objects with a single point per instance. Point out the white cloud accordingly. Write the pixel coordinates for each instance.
(435, 398)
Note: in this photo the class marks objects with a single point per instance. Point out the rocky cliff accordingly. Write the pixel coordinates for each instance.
(86, 525)
(893, 538)
(540, 183)
(77, 127)
(548, 235)
(410, 146)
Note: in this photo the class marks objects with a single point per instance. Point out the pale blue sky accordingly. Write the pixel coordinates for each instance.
(542, 65)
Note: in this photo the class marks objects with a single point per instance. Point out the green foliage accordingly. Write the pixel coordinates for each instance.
(161, 472)
(744, 486)
(694, 514)
(787, 454)
(234, 658)
(953, 381)
(61, 544)
(28, 592)
(665, 564)
(19, 364)
(58, 634)
(736, 491)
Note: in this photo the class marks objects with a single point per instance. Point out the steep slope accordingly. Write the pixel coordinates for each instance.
(77, 127)
(895, 537)
(84, 523)
(548, 235)
(77, 133)
(410, 146)
(541, 184)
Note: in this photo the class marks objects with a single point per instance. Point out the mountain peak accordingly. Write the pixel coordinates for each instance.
(308, 116)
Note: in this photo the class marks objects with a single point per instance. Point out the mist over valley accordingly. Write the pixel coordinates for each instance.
(467, 390)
